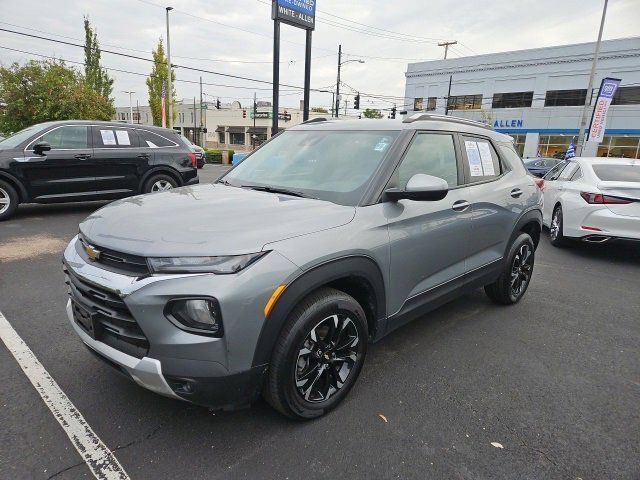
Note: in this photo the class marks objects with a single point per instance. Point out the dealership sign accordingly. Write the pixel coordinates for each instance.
(299, 13)
(608, 89)
(507, 124)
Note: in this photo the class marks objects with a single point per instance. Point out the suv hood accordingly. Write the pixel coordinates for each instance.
(208, 219)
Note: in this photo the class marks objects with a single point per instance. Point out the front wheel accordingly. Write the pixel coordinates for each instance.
(516, 274)
(318, 356)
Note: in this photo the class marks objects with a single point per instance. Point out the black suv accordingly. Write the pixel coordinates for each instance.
(74, 160)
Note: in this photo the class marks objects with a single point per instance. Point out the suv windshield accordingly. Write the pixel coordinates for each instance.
(17, 138)
(328, 165)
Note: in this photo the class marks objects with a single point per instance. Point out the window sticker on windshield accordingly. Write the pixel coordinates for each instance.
(108, 138)
(382, 145)
(485, 156)
(473, 157)
(123, 137)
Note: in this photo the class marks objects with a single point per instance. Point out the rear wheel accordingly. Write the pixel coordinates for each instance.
(160, 183)
(318, 356)
(556, 235)
(516, 275)
(8, 200)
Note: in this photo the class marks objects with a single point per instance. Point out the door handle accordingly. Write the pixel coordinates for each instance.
(83, 156)
(460, 205)
(144, 156)
(516, 192)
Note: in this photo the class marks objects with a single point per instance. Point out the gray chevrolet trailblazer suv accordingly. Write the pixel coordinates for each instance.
(275, 278)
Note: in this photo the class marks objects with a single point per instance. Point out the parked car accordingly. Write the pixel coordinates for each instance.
(595, 200)
(71, 161)
(541, 165)
(198, 150)
(275, 278)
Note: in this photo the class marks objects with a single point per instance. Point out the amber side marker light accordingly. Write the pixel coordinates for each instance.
(273, 299)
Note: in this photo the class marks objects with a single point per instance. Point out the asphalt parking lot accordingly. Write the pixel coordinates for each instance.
(553, 382)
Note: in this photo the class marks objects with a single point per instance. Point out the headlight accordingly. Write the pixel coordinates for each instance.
(219, 265)
(198, 315)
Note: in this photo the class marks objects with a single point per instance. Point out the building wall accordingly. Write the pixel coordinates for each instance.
(228, 119)
(538, 70)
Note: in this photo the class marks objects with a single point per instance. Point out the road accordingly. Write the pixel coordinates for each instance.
(554, 380)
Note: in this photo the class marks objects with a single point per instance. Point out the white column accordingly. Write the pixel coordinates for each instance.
(531, 145)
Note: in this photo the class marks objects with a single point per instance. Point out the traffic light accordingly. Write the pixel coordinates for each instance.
(244, 113)
(356, 102)
(393, 112)
(218, 104)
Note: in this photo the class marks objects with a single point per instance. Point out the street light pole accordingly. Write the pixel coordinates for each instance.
(130, 105)
(338, 83)
(169, 83)
(587, 102)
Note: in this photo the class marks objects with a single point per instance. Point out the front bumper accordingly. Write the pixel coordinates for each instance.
(216, 372)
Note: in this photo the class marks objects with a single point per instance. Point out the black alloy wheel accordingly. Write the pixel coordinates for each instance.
(516, 273)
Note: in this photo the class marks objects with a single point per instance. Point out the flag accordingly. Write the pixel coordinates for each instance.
(571, 151)
(164, 116)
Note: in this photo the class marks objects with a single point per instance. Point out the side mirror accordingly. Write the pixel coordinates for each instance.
(40, 147)
(420, 187)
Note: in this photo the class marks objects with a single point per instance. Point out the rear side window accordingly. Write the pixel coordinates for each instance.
(617, 173)
(431, 154)
(71, 137)
(482, 162)
(153, 140)
(110, 137)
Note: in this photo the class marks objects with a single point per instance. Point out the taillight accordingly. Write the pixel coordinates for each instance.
(539, 182)
(194, 160)
(599, 198)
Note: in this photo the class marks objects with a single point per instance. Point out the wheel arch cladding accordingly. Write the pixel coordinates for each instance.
(531, 223)
(359, 277)
(20, 189)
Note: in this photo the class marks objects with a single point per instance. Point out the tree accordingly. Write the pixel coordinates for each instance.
(42, 91)
(371, 113)
(319, 110)
(159, 75)
(95, 76)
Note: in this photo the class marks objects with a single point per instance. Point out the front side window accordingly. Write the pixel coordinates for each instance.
(17, 138)
(432, 154)
(71, 137)
(326, 164)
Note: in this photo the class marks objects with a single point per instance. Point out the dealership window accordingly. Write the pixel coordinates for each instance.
(465, 102)
(553, 145)
(417, 104)
(512, 100)
(431, 104)
(221, 138)
(627, 96)
(236, 138)
(518, 143)
(626, 146)
(565, 98)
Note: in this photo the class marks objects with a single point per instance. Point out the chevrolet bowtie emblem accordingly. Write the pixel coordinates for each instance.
(92, 252)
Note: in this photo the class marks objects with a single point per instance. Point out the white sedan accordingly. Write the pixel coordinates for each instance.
(593, 200)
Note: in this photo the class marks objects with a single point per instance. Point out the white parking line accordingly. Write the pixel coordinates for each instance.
(96, 454)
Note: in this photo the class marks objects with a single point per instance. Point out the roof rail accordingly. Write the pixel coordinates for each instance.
(445, 118)
(313, 120)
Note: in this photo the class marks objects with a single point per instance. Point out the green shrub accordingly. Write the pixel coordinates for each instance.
(213, 155)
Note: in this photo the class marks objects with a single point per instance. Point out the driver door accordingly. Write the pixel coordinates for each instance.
(67, 170)
(428, 239)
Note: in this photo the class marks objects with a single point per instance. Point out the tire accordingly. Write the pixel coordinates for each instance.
(515, 273)
(306, 378)
(159, 183)
(8, 200)
(556, 233)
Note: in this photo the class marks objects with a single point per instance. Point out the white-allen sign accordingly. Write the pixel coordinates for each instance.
(599, 118)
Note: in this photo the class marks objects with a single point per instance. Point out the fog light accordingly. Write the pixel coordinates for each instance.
(199, 315)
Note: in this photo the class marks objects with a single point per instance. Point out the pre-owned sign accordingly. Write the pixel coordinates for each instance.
(299, 13)
(608, 89)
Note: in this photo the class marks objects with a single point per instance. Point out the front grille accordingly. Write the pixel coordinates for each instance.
(103, 315)
(118, 262)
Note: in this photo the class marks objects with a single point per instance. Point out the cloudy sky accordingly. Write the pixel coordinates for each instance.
(235, 37)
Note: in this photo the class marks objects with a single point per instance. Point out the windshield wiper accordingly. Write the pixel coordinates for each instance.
(266, 188)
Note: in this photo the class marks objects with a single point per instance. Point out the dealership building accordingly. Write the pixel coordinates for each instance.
(536, 96)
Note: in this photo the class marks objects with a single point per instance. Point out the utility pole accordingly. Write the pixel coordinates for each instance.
(338, 83)
(446, 47)
(255, 111)
(333, 102)
(202, 141)
(169, 83)
(276, 76)
(345, 107)
(587, 101)
(130, 105)
(446, 108)
(307, 77)
(195, 119)
(138, 110)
